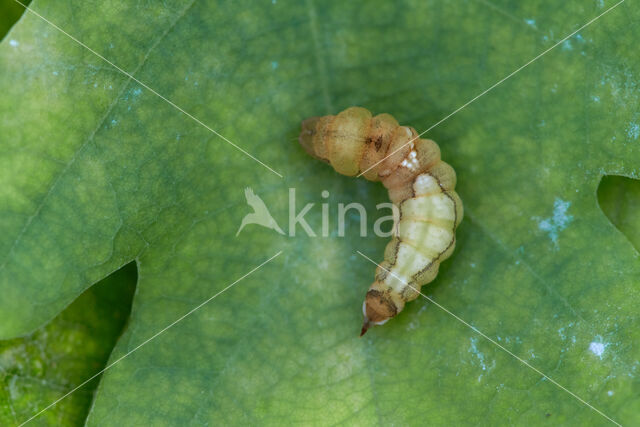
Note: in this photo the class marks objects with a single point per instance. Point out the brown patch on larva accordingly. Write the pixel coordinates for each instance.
(378, 143)
(367, 141)
(382, 307)
(378, 308)
(395, 254)
(382, 274)
(407, 290)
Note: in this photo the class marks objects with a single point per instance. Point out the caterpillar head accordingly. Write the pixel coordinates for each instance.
(378, 307)
(307, 133)
(311, 136)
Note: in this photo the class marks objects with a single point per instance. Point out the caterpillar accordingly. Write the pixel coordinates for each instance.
(420, 184)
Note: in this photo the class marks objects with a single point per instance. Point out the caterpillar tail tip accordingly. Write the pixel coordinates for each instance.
(365, 326)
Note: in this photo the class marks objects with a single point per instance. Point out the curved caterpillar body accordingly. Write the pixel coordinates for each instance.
(419, 183)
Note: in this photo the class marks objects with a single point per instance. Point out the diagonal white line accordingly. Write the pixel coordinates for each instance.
(109, 366)
(493, 86)
(146, 87)
(524, 362)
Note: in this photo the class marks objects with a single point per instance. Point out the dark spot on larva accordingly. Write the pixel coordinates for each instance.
(406, 291)
(396, 249)
(378, 143)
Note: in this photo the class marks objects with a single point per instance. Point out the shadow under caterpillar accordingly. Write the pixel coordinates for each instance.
(420, 184)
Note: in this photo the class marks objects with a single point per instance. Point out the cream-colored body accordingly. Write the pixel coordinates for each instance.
(419, 183)
(425, 235)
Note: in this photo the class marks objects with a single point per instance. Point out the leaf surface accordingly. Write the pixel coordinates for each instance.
(38, 369)
(97, 170)
(619, 198)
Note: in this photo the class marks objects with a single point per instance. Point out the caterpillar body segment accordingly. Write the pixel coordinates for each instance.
(419, 183)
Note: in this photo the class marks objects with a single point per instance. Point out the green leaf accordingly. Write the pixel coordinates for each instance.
(39, 368)
(619, 198)
(11, 12)
(97, 170)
